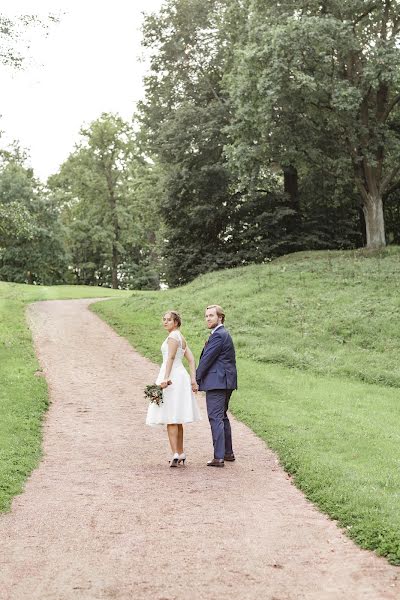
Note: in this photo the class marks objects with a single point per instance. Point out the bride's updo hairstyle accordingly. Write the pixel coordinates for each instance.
(175, 315)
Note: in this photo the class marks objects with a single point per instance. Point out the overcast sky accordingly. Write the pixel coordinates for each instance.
(88, 64)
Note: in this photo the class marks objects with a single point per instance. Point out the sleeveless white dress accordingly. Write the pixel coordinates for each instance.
(179, 403)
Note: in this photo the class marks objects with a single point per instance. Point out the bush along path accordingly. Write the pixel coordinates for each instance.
(104, 517)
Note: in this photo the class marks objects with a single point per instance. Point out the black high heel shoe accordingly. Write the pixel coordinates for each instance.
(174, 460)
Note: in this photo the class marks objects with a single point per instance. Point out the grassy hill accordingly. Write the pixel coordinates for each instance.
(318, 344)
(23, 396)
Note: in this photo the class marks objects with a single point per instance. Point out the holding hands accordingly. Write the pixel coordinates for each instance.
(167, 382)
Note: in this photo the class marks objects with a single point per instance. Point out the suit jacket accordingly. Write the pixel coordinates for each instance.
(217, 365)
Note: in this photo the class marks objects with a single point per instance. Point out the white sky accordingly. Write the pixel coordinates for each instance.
(88, 64)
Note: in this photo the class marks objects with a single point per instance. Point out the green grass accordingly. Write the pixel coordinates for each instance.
(23, 396)
(318, 344)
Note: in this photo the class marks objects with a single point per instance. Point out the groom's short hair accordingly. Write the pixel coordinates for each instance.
(219, 309)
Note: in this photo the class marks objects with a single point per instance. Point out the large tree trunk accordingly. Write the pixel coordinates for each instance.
(370, 184)
(374, 221)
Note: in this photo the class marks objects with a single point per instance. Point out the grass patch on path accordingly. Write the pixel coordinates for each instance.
(318, 343)
(23, 396)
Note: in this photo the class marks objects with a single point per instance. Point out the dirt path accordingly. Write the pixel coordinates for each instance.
(104, 516)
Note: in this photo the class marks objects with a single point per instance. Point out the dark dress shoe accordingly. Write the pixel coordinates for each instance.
(216, 462)
(229, 457)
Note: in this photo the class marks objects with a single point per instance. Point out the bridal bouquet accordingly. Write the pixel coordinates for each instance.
(154, 393)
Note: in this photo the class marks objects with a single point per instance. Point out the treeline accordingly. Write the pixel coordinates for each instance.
(276, 128)
(94, 223)
(266, 128)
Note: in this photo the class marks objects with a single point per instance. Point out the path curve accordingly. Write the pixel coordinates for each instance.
(104, 517)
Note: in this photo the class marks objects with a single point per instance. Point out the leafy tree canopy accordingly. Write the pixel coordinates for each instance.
(319, 83)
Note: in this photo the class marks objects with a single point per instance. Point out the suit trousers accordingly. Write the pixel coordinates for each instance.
(217, 406)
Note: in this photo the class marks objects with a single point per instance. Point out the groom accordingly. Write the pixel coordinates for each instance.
(216, 375)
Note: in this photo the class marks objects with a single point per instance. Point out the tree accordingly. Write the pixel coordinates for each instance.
(319, 82)
(15, 190)
(15, 223)
(223, 201)
(97, 192)
(183, 119)
(31, 248)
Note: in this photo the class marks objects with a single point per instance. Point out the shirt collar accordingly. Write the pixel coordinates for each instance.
(220, 325)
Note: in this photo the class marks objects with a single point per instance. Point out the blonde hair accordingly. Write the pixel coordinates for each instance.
(219, 310)
(175, 315)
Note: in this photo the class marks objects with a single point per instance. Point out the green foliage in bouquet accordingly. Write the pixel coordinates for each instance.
(154, 393)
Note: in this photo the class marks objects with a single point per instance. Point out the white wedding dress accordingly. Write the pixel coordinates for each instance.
(179, 403)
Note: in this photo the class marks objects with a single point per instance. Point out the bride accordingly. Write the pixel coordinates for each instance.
(179, 403)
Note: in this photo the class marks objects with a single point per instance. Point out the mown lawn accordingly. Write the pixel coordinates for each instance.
(318, 343)
(23, 395)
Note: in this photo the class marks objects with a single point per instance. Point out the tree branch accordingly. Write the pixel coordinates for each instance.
(319, 106)
(385, 19)
(210, 85)
(358, 170)
(396, 27)
(365, 14)
(389, 109)
(389, 178)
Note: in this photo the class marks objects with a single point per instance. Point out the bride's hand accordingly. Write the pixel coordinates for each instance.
(195, 387)
(165, 384)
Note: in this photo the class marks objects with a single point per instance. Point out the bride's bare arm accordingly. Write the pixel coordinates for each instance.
(172, 348)
(192, 367)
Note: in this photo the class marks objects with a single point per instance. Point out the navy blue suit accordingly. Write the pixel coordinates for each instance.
(217, 376)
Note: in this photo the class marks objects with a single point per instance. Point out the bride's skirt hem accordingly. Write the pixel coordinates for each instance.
(159, 423)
